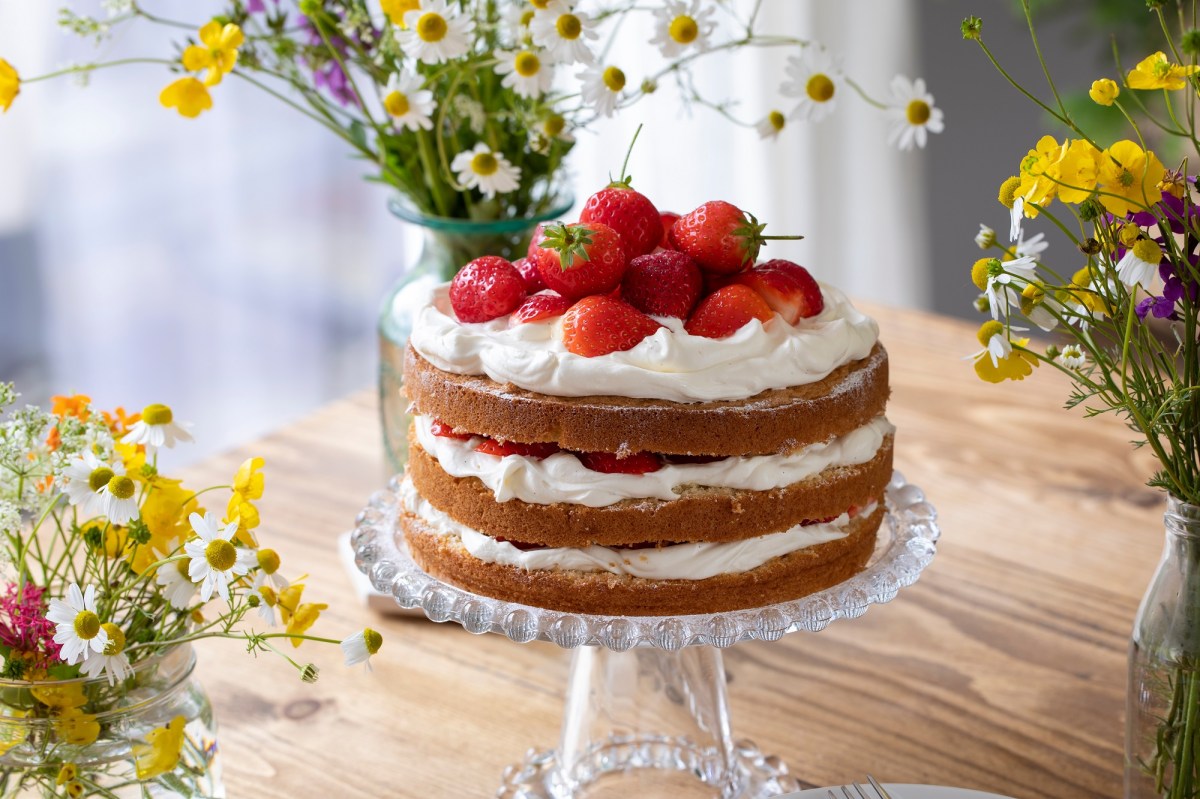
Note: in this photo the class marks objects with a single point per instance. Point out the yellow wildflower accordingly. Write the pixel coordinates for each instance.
(1077, 171)
(67, 773)
(1156, 72)
(188, 95)
(59, 695)
(165, 512)
(160, 754)
(1131, 174)
(75, 727)
(247, 486)
(1002, 358)
(304, 617)
(289, 601)
(396, 9)
(1104, 91)
(1040, 169)
(1173, 183)
(10, 84)
(216, 53)
(12, 731)
(75, 789)
(248, 481)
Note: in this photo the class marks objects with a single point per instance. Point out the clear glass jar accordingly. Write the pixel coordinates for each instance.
(447, 245)
(152, 735)
(1162, 738)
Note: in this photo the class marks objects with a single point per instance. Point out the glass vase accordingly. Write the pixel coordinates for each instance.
(447, 245)
(150, 735)
(1162, 738)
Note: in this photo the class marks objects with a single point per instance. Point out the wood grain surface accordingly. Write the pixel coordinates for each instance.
(1003, 669)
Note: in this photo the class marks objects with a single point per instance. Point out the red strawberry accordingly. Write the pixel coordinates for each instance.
(720, 236)
(598, 325)
(693, 458)
(787, 287)
(664, 283)
(723, 312)
(538, 307)
(578, 260)
(491, 446)
(440, 428)
(611, 463)
(530, 276)
(628, 212)
(668, 220)
(485, 289)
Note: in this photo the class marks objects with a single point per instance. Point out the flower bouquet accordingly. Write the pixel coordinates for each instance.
(110, 571)
(1123, 305)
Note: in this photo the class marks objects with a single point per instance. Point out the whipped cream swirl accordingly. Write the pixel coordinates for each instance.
(670, 365)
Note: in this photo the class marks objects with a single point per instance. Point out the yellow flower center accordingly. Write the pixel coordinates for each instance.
(1008, 191)
(568, 26)
(220, 554)
(527, 64)
(819, 88)
(918, 112)
(100, 477)
(989, 329)
(539, 3)
(121, 487)
(979, 272)
(432, 27)
(182, 565)
(683, 29)
(526, 18)
(87, 625)
(373, 640)
(157, 414)
(268, 560)
(396, 104)
(554, 125)
(484, 164)
(269, 596)
(116, 639)
(614, 79)
(776, 120)
(1147, 251)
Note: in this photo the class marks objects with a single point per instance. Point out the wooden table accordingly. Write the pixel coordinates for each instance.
(1003, 669)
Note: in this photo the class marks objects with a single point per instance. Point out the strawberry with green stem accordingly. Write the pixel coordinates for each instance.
(722, 238)
(579, 259)
(626, 211)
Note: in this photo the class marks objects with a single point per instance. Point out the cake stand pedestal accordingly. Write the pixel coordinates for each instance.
(646, 707)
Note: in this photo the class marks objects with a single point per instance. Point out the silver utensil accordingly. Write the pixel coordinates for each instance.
(877, 791)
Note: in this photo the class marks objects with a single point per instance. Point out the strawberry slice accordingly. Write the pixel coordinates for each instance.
(546, 305)
(668, 220)
(530, 275)
(628, 212)
(580, 259)
(686, 459)
(440, 428)
(787, 287)
(726, 310)
(663, 283)
(611, 463)
(485, 289)
(599, 324)
(490, 446)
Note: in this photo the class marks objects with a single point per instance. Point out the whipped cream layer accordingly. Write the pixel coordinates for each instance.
(670, 365)
(563, 478)
(693, 561)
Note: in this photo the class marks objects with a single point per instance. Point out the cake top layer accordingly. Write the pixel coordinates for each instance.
(670, 364)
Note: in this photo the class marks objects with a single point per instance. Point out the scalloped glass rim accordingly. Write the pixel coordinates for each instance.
(907, 544)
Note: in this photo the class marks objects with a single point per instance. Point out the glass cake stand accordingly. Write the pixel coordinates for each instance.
(646, 706)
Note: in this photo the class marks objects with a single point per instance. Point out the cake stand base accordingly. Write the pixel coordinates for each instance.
(647, 722)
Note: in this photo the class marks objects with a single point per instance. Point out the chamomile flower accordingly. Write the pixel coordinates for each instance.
(770, 126)
(1030, 247)
(1040, 306)
(1139, 265)
(525, 73)
(1000, 359)
(121, 500)
(112, 661)
(682, 26)
(554, 126)
(815, 78)
(157, 428)
(435, 32)
(1003, 281)
(563, 33)
(1071, 356)
(176, 583)
(78, 628)
(214, 559)
(602, 88)
(86, 478)
(359, 647)
(267, 599)
(914, 113)
(485, 170)
(407, 103)
(516, 22)
(985, 238)
(268, 562)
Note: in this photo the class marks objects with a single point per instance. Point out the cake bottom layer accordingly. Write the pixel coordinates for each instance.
(780, 579)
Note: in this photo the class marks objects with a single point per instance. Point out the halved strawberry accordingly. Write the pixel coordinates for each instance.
(440, 428)
(686, 459)
(663, 283)
(787, 287)
(530, 275)
(490, 446)
(611, 463)
(599, 324)
(579, 259)
(546, 305)
(668, 220)
(721, 237)
(628, 212)
(486, 288)
(726, 310)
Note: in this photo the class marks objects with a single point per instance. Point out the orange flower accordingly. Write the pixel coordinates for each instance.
(119, 421)
(54, 439)
(76, 406)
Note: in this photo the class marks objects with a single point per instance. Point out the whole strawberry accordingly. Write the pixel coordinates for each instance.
(486, 288)
(787, 287)
(579, 259)
(599, 324)
(668, 221)
(628, 212)
(663, 283)
(722, 238)
(530, 275)
(726, 311)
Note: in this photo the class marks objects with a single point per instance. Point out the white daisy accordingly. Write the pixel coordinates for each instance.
(602, 89)
(985, 238)
(157, 428)
(215, 560)
(998, 346)
(679, 26)
(914, 113)
(120, 494)
(435, 32)
(815, 78)
(563, 33)
(485, 170)
(112, 661)
(1139, 265)
(1004, 288)
(87, 477)
(176, 583)
(359, 647)
(1031, 247)
(770, 126)
(1040, 307)
(1071, 356)
(268, 562)
(78, 626)
(267, 599)
(524, 73)
(555, 127)
(516, 22)
(407, 103)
